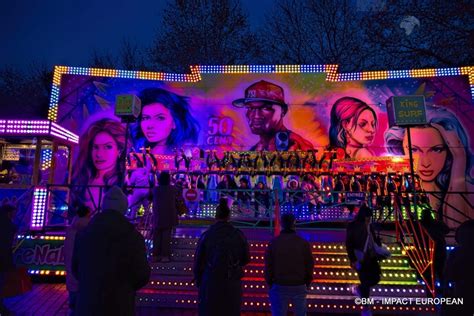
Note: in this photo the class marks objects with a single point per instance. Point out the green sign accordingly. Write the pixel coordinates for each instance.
(406, 110)
(127, 105)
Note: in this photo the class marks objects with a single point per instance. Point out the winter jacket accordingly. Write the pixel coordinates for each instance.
(288, 260)
(110, 263)
(220, 287)
(78, 224)
(7, 234)
(164, 206)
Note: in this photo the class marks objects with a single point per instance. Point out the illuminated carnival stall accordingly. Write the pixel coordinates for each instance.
(304, 139)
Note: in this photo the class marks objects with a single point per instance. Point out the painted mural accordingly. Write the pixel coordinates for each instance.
(260, 111)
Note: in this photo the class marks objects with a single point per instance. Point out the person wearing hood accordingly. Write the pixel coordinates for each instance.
(79, 222)
(109, 261)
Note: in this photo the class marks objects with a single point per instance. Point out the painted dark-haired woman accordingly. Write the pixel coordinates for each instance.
(165, 122)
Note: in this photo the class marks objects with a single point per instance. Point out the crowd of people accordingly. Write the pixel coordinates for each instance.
(100, 249)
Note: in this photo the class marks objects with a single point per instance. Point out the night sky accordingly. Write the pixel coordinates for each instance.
(66, 32)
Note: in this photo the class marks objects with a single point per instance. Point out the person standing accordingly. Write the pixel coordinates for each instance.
(360, 239)
(459, 273)
(165, 217)
(79, 222)
(7, 235)
(220, 256)
(288, 269)
(109, 261)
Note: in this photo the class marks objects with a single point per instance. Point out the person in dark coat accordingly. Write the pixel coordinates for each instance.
(357, 236)
(165, 217)
(7, 235)
(79, 222)
(109, 261)
(288, 269)
(221, 254)
(459, 272)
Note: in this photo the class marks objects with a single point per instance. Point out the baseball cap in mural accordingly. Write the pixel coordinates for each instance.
(262, 91)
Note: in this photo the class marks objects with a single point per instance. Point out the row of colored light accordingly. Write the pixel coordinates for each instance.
(42, 237)
(26, 127)
(47, 272)
(196, 71)
(39, 208)
(46, 155)
(32, 127)
(63, 133)
(317, 288)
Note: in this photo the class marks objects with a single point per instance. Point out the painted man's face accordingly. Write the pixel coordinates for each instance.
(263, 117)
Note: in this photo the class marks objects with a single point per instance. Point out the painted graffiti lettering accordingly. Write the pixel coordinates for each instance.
(40, 255)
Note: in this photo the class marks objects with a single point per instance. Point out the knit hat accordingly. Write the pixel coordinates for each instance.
(115, 200)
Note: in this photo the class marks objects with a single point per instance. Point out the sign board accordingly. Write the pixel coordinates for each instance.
(41, 253)
(406, 110)
(355, 198)
(191, 195)
(127, 105)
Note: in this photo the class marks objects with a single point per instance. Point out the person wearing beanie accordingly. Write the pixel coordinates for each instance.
(360, 238)
(7, 236)
(220, 256)
(115, 200)
(109, 261)
(288, 270)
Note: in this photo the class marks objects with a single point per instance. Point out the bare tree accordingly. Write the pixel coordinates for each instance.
(25, 94)
(315, 32)
(132, 56)
(423, 33)
(103, 60)
(202, 32)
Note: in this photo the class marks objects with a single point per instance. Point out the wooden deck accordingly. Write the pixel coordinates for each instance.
(42, 300)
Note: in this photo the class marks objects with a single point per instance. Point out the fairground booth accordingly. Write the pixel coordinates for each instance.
(304, 139)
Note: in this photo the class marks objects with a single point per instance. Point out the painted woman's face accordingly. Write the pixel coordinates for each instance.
(104, 152)
(429, 147)
(363, 132)
(157, 123)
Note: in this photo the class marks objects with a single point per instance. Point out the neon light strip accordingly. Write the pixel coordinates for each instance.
(31, 127)
(196, 71)
(48, 272)
(43, 237)
(46, 156)
(3, 125)
(39, 208)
